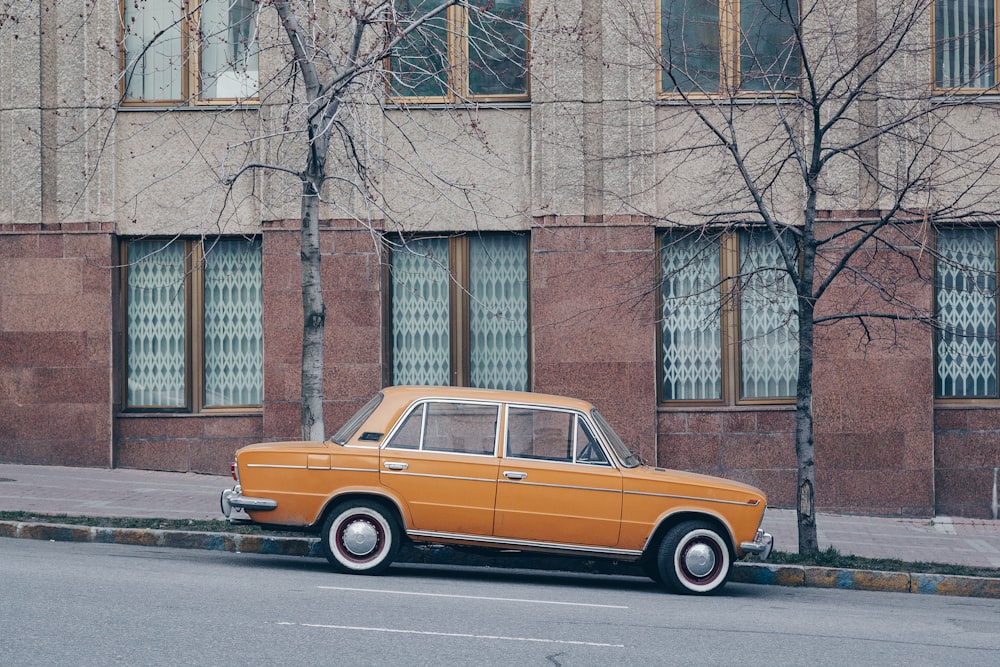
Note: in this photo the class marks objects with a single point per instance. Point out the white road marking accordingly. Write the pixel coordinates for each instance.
(458, 635)
(471, 597)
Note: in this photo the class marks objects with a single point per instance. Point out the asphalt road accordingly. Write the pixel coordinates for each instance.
(96, 604)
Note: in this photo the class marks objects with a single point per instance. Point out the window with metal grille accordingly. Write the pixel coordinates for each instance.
(193, 337)
(728, 328)
(459, 310)
(966, 299)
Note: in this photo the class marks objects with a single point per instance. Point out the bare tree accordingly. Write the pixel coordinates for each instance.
(811, 106)
(336, 78)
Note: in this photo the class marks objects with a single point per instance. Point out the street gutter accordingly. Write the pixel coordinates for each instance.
(765, 574)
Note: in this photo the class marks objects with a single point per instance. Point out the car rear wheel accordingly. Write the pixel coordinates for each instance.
(360, 537)
(694, 558)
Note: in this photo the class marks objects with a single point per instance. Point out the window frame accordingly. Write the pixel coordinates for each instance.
(423, 406)
(730, 330)
(578, 421)
(194, 333)
(730, 61)
(967, 400)
(459, 308)
(964, 90)
(190, 74)
(457, 89)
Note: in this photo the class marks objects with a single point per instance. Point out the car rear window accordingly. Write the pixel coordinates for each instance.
(352, 425)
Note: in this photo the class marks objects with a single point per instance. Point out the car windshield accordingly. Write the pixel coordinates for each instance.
(625, 455)
(354, 423)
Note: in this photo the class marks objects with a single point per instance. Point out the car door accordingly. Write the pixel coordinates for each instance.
(556, 483)
(442, 463)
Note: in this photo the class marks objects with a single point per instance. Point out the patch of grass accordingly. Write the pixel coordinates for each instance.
(831, 557)
(206, 526)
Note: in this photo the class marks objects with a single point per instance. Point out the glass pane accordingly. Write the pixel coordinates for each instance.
(461, 428)
(769, 343)
(692, 330)
(769, 57)
(155, 322)
(539, 434)
(409, 434)
(421, 347)
(498, 47)
(419, 64)
(152, 68)
(587, 448)
(229, 49)
(498, 318)
(690, 45)
(964, 50)
(967, 313)
(234, 357)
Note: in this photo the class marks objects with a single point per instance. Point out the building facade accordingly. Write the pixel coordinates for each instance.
(529, 227)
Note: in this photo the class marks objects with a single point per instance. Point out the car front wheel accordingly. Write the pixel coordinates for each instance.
(360, 537)
(694, 558)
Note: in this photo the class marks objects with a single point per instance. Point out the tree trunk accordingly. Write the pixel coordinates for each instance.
(804, 446)
(313, 317)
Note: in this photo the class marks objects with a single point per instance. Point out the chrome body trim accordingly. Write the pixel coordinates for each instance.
(491, 480)
(272, 465)
(761, 545)
(697, 498)
(526, 544)
(517, 480)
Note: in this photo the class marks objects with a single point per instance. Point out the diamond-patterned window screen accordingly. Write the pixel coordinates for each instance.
(769, 343)
(433, 282)
(729, 330)
(967, 313)
(234, 358)
(691, 338)
(498, 318)
(157, 344)
(421, 311)
(162, 324)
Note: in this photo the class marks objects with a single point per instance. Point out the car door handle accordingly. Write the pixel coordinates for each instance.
(396, 465)
(514, 474)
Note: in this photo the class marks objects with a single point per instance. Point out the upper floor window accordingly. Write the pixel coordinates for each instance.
(476, 52)
(965, 47)
(728, 328)
(729, 47)
(193, 332)
(459, 310)
(967, 313)
(180, 51)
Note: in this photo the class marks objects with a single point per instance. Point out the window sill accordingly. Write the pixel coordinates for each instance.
(720, 407)
(455, 106)
(188, 415)
(967, 403)
(204, 106)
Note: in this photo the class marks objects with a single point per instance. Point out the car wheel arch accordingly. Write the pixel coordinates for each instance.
(390, 503)
(667, 522)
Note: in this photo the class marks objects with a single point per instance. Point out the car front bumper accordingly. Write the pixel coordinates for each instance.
(234, 505)
(761, 545)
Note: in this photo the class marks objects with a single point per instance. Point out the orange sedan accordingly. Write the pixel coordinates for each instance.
(507, 470)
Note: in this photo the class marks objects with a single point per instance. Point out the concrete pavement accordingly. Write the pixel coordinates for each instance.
(151, 494)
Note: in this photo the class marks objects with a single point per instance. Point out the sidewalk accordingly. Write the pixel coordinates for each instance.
(150, 494)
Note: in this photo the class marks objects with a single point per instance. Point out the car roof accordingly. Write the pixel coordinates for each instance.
(409, 394)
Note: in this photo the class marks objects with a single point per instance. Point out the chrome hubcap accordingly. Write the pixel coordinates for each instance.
(359, 537)
(699, 560)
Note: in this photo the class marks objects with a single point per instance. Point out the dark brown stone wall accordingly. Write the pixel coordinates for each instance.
(352, 285)
(592, 320)
(56, 291)
(966, 460)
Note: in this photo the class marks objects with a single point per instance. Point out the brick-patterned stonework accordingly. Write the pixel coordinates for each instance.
(966, 454)
(56, 292)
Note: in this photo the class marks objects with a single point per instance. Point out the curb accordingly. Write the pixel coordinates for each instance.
(763, 574)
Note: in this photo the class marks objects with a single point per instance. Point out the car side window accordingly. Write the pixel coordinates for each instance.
(587, 449)
(539, 434)
(441, 426)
